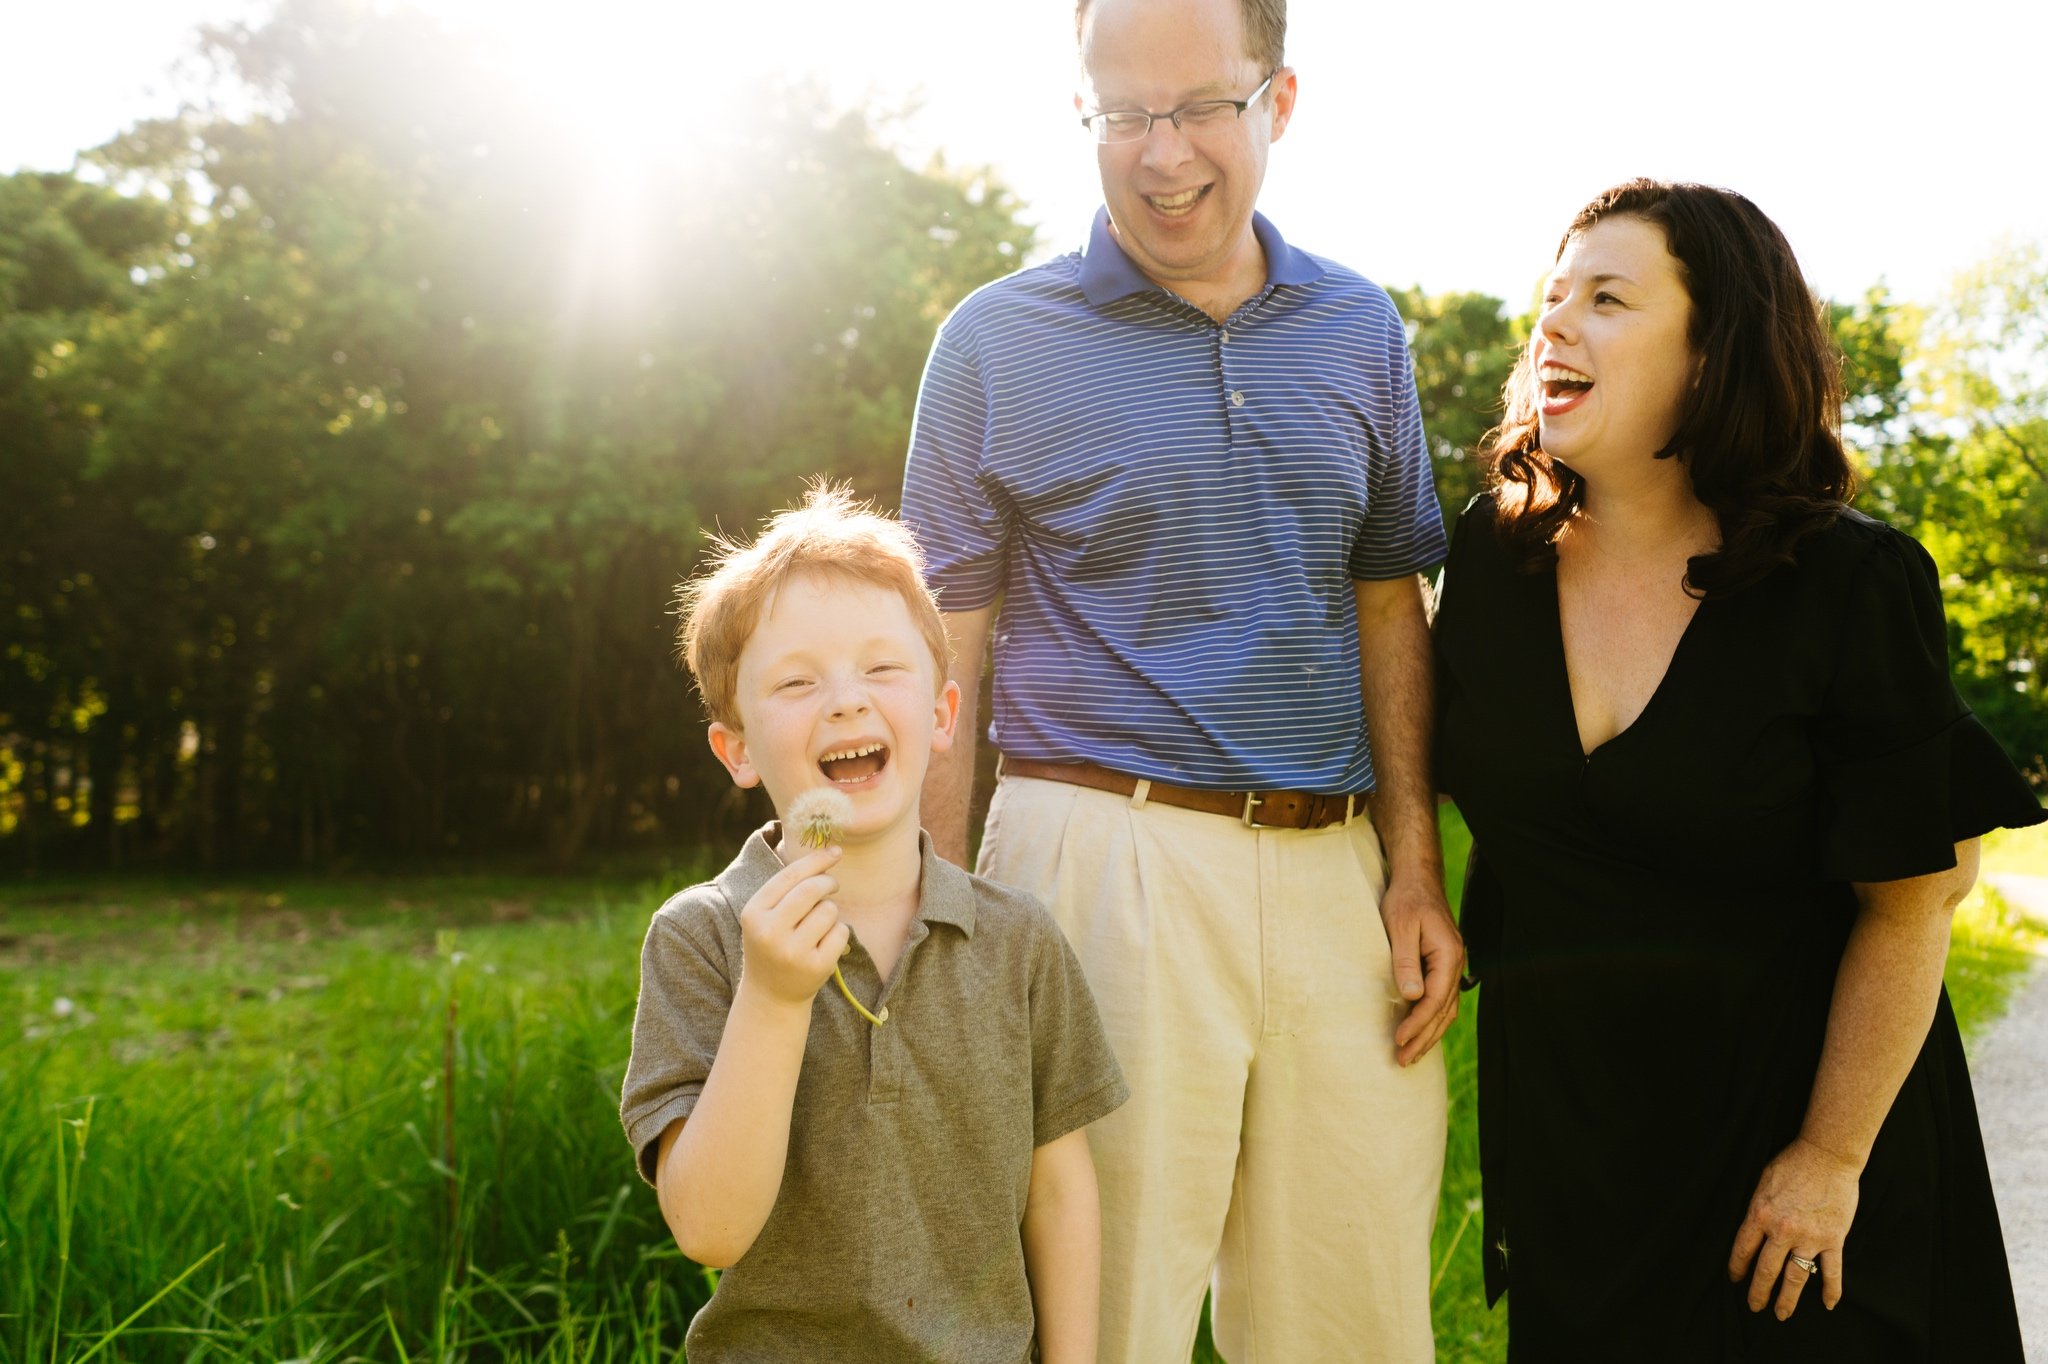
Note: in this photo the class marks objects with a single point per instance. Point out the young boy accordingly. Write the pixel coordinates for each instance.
(905, 1178)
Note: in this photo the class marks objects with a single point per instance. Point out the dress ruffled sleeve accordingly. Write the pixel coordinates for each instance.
(1907, 771)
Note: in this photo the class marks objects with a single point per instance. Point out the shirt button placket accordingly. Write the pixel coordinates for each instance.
(884, 1074)
(1232, 394)
(885, 1043)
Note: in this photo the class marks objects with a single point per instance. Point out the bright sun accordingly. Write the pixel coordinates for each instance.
(652, 85)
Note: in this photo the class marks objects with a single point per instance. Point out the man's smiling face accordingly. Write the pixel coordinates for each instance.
(1181, 200)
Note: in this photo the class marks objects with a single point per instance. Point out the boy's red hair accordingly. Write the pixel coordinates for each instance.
(830, 533)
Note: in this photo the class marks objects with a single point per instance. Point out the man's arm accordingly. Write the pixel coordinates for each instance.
(1063, 1248)
(1394, 682)
(949, 781)
(718, 1171)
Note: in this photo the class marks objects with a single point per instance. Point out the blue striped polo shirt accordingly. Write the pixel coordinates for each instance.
(1171, 511)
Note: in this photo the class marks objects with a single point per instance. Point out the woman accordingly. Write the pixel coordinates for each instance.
(1724, 799)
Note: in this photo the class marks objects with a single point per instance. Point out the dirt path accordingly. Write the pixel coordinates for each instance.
(2009, 1069)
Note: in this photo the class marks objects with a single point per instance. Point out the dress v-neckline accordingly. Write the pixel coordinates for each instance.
(1571, 701)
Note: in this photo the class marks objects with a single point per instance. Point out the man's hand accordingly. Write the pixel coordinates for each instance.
(1394, 683)
(1429, 960)
(792, 934)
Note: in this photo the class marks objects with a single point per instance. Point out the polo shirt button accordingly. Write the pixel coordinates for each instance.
(1237, 397)
(1224, 336)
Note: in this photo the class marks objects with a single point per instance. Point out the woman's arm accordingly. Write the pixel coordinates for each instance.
(1063, 1249)
(1885, 993)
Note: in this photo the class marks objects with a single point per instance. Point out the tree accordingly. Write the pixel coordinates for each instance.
(1947, 410)
(1982, 361)
(69, 590)
(403, 461)
(1463, 349)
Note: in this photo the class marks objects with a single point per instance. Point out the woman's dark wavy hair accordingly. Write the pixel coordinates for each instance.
(1760, 434)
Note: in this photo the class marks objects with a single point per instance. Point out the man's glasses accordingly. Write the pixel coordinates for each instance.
(1204, 115)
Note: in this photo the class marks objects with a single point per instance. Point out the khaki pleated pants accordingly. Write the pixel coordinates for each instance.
(1271, 1144)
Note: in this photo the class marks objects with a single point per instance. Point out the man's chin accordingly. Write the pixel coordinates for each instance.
(1169, 262)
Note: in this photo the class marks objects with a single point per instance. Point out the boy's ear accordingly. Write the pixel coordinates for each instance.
(945, 716)
(729, 746)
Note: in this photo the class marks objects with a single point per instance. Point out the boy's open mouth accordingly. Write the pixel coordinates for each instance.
(851, 766)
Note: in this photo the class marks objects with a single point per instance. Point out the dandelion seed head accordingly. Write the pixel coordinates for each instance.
(820, 815)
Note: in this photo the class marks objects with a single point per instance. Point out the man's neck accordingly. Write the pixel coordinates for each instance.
(1222, 292)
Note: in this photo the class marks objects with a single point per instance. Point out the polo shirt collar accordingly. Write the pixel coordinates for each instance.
(1107, 274)
(945, 894)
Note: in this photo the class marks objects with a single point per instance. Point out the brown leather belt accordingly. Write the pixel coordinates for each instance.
(1254, 809)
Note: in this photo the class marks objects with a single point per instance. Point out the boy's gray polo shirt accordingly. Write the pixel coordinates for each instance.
(896, 1234)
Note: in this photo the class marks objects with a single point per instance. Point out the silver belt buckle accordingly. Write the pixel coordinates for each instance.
(1251, 800)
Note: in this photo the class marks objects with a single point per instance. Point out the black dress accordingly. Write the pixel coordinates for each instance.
(1656, 928)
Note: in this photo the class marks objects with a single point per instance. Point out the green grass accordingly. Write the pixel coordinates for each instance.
(1993, 940)
(387, 1111)
(2017, 852)
(227, 1117)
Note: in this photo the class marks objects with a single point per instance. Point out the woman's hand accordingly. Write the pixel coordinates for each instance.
(1802, 1206)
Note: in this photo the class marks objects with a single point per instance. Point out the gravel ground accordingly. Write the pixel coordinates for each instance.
(2009, 1070)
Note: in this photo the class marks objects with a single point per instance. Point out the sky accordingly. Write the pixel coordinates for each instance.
(1439, 144)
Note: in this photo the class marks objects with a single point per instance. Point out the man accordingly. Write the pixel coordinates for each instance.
(1180, 477)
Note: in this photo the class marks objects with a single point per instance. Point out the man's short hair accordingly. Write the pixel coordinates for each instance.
(831, 534)
(1265, 30)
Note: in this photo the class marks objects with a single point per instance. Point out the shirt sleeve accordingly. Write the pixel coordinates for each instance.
(685, 994)
(1907, 771)
(1074, 1075)
(1404, 527)
(947, 500)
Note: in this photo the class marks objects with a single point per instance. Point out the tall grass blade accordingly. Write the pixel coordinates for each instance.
(1471, 1208)
(67, 1196)
(399, 1345)
(161, 1293)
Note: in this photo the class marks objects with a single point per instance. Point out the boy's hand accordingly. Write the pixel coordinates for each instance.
(791, 933)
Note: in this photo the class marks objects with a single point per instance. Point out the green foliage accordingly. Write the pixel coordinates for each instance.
(1463, 348)
(1949, 413)
(349, 519)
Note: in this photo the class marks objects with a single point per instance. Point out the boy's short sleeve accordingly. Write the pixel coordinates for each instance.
(1074, 1075)
(686, 990)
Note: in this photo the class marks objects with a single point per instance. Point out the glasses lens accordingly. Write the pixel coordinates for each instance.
(1208, 113)
(1122, 127)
